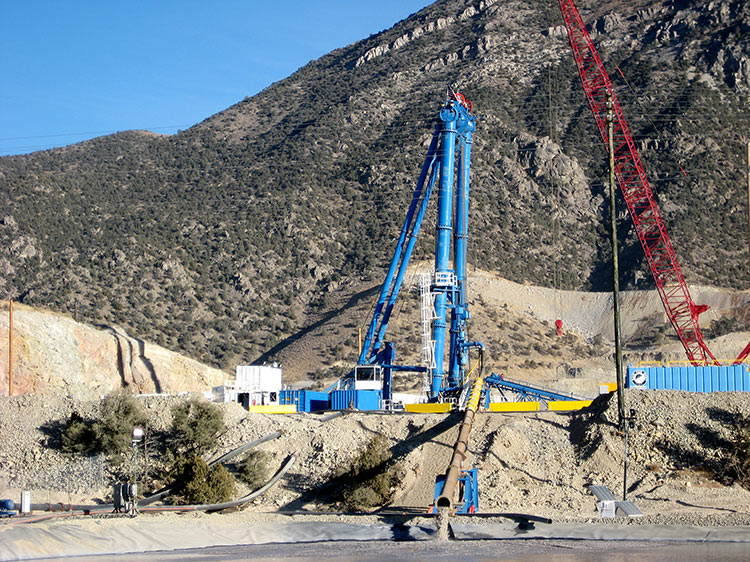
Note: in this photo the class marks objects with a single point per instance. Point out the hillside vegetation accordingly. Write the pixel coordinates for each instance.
(230, 237)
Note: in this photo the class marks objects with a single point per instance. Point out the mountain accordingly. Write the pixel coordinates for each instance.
(239, 234)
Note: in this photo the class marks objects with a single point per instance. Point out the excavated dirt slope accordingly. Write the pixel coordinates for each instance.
(532, 463)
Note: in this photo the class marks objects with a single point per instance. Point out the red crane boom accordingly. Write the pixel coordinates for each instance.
(639, 198)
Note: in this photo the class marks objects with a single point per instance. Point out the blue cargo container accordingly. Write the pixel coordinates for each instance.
(305, 400)
(710, 378)
(358, 399)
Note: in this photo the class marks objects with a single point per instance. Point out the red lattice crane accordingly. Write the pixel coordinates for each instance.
(639, 198)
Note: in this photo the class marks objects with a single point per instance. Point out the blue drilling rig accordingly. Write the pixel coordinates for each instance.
(448, 164)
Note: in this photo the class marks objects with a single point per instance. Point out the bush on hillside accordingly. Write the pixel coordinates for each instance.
(371, 477)
(197, 483)
(739, 461)
(195, 425)
(120, 413)
(78, 436)
(254, 469)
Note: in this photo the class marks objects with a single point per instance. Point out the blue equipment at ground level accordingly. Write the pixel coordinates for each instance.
(7, 508)
(305, 400)
(468, 491)
(356, 399)
(708, 378)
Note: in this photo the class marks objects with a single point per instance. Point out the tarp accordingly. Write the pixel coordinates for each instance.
(40, 540)
(584, 531)
(143, 534)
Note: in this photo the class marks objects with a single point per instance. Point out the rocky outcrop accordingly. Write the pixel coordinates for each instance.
(53, 354)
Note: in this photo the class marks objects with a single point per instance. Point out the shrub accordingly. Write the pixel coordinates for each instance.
(120, 413)
(370, 479)
(197, 483)
(78, 436)
(254, 468)
(195, 424)
(739, 459)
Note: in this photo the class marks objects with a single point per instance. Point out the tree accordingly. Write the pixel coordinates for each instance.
(195, 424)
(197, 483)
(120, 413)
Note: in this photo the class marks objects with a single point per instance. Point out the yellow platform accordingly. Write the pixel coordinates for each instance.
(567, 405)
(514, 407)
(428, 408)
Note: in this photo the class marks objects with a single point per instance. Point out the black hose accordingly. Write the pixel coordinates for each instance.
(164, 492)
(288, 463)
(102, 509)
(242, 448)
(79, 509)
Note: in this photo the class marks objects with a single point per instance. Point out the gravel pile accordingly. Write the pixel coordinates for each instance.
(538, 464)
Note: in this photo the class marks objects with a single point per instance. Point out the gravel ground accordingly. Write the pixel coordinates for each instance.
(537, 464)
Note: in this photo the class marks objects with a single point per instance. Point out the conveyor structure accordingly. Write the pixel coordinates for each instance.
(518, 391)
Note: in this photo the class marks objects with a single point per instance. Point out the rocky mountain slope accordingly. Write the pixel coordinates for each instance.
(245, 230)
(54, 354)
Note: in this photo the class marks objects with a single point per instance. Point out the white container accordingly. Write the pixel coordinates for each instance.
(258, 378)
(25, 502)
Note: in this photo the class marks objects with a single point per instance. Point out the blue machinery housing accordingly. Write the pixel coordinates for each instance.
(468, 491)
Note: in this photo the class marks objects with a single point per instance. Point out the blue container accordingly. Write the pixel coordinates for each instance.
(710, 378)
(357, 399)
(305, 400)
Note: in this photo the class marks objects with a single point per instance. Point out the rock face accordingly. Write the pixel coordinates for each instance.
(53, 354)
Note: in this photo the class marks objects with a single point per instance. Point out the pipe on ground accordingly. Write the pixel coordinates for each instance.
(445, 500)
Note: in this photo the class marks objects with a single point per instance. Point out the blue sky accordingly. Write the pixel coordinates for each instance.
(78, 69)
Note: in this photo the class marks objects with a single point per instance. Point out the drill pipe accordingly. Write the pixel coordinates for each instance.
(459, 451)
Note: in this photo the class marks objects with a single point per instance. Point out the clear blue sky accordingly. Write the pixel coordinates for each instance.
(78, 69)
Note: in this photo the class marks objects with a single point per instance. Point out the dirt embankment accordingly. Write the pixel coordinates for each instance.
(55, 355)
(536, 464)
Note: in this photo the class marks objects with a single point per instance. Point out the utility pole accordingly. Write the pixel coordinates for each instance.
(10, 348)
(747, 172)
(615, 266)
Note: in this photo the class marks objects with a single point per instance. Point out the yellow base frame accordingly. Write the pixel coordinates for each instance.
(514, 407)
(428, 408)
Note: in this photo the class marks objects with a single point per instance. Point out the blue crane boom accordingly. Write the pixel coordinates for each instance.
(451, 142)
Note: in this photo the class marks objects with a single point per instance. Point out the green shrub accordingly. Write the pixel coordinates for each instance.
(78, 436)
(738, 466)
(195, 424)
(120, 413)
(197, 483)
(371, 478)
(254, 469)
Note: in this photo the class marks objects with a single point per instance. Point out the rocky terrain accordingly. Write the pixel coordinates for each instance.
(261, 234)
(536, 463)
(247, 229)
(55, 355)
